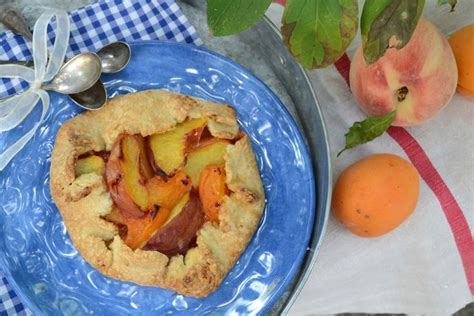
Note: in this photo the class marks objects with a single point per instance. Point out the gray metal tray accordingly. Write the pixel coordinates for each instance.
(260, 49)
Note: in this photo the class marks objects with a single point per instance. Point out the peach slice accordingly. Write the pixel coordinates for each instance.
(169, 148)
(126, 173)
(210, 154)
(179, 234)
(178, 208)
(145, 167)
(212, 189)
(168, 193)
(116, 216)
(91, 164)
(132, 171)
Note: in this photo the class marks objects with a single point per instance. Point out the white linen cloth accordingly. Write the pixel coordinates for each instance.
(418, 267)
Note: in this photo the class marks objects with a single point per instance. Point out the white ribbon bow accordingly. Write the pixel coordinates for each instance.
(15, 109)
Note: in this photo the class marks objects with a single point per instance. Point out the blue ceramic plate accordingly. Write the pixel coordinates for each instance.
(50, 276)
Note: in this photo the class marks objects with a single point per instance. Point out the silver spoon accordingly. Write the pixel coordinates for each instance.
(114, 57)
(77, 74)
(91, 99)
(15, 21)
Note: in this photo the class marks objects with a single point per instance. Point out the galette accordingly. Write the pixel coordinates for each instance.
(159, 189)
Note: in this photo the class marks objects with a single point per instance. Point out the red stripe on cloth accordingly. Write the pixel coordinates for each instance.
(343, 65)
(453, 213)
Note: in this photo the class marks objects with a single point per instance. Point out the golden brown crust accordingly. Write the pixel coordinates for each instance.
(83, 201)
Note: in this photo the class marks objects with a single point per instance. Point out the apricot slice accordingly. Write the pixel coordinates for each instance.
(211, 154)
(168, 193)
(169, 148)
(139, 229)
(91, 164)
(212, 189)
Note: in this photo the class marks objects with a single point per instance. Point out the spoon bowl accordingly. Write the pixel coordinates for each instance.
(76, 75)
(114, 56)
(13, 20)
(91, 99)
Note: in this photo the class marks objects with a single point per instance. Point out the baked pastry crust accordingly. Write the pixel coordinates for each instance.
(83, 201)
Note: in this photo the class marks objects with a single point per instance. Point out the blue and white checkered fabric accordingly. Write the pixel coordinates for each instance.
(10, 304)
(106, 21)
(91, 28)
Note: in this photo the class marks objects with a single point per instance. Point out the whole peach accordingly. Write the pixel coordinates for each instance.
(417, 80)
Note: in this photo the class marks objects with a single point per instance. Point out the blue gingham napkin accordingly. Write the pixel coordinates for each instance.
(10, 303)
(107, 21)
(91, 28)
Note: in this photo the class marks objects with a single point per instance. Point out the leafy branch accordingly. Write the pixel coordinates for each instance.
(227, 17)
(318, 32)
(367, 130)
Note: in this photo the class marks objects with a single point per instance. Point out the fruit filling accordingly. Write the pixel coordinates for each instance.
(164, 187)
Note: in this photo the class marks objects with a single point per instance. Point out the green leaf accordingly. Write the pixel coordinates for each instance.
(227, 17)
(317, 32)
(452, 3)
(388, 23)
(367, 130)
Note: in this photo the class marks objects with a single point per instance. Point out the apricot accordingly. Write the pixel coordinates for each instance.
(462, 44)
(212, 189)
(376, 194)
(417, 81)
(167, 193)
(139, 229)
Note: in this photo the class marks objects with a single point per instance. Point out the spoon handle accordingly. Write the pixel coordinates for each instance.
(27, 63)
(15, 22)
